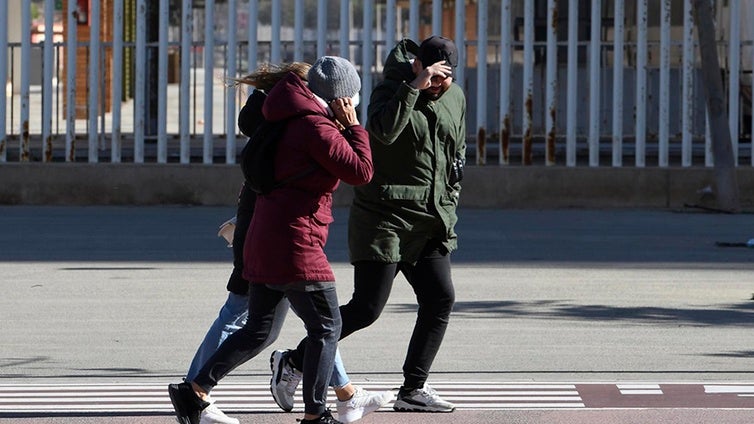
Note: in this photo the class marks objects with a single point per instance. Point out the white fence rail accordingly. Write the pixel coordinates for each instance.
(569, 82)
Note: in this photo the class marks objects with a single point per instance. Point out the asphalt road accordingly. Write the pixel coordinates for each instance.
(123, 295)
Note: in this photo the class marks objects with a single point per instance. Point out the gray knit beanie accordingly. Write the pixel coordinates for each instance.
(332, 77)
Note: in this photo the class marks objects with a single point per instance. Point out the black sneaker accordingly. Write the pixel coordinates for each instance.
(325, 418)
(188, 407)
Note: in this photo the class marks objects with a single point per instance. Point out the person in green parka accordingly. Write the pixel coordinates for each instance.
(403, 220)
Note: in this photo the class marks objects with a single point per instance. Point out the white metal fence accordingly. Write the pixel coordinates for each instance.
(556, 82)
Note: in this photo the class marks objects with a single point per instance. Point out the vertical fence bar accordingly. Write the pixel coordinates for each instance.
(24, 152)
(140, 54)
(345, 28)
(552, 81)
(688, 84)
(367, 57)
(505, 82)
(751, 103)
(321, 28)
(187, 29)
(734, 66)
(641, 83)
(252, 35)
(413, 20)
(390, 27)
(594, 84)
(276, 22)
(709, 159)
(48, 66)
(618, 30)
(573, 81)
(460, 40)
(481, 87)
(70, 84)
(298, 31)
(116, 87)
(230, 95)
(528, 81)
(664, 115)
(437, 17)
(162, 83)
(3, 80)
(94, 80)
(209, 71)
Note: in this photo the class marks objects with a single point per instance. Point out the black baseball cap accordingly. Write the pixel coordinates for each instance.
(436, 49)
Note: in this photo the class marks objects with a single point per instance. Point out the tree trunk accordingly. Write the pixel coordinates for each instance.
(722, 150)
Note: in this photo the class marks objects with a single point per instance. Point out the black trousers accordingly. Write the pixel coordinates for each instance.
(320, 313)
(432, 284)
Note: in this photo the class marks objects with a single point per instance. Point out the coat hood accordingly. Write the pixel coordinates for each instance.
(291, 97)
(398, 62)
(250, 117)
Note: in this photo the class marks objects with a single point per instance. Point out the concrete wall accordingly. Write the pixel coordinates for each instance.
(484, 187)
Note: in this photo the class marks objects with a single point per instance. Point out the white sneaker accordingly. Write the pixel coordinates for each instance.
(284, 380)
(424, 399)
(362, 403)
(213, 415)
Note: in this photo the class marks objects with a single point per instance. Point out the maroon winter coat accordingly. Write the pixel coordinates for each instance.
(289, 228)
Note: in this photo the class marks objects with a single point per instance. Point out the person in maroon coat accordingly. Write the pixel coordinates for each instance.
(284, 251)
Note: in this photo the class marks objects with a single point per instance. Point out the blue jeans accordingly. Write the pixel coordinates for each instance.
(233, 316)
(318, 309)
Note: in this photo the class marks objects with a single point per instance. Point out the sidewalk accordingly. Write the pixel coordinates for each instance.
(123, 295)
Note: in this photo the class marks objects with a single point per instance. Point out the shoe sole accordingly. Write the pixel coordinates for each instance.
(274, 366)
(180, 413)
(402, 406)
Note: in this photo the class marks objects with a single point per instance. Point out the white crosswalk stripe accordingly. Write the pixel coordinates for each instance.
(255, 396)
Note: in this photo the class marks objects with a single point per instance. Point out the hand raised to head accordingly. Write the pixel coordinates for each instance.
(344, 111)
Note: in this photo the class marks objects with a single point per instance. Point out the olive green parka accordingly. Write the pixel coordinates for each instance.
(414, 142)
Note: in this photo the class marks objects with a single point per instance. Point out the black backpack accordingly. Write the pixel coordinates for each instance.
(258, 158)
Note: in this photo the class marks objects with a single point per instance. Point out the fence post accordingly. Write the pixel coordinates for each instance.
(3, 79)
(552, 81)
(115, 83)
(47, 88)
(24, 148)
(505, 82)
(618, 31)
(481, 87)
(572, 83)
(664, 130)
(641, 83)
(595, 53)
(528, 88)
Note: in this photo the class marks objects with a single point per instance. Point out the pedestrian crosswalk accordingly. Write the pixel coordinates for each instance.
(255, 396)
(241, 397)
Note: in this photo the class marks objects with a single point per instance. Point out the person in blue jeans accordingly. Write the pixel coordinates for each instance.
(283, 254)
(353, 401)
(234, 312)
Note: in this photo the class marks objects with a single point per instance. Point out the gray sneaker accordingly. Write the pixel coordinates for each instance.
(284, 380)
(424, 399)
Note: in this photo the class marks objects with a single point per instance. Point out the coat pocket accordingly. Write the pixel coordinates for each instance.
(404, 192)
(319, 221)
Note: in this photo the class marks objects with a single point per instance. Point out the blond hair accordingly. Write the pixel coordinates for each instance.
(267, 74)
